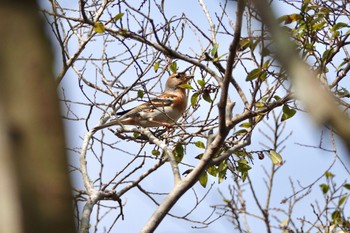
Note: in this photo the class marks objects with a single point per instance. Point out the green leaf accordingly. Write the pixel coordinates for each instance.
(222, 165)
(323, 12)
(276, 158)
(336, 216)
(309, 47)
(345, 61)
(186, 86)
(329, 174)
(304, 6)
(259, 117)
(201, 83)
(203, 179)
(254, 44)
(276, 97)
(263, 76)
(179, 153)
(284, 222)
(255, 73)
(347, 186)
(200, 144)
(222, 171)
(327, 54)
(219, 57)
(244, 43)
(324, 188)
(338, 26)
(335, 34)
(140, 94)
(136, 134)
(214, 50)
(241, 153)
(156, 66)
(260, 105)
(266, 64)
(342, 200)
(318, 26)
(288, 19)
(173, 67)
(206, 96)
(246, 125)
(221, 176)
(194, 99)
(243, 168)
(118, 16)
(243, 165)
(212, 170)
(99, 27)
(241, 132)
(287, 112)
(199, 156)
(155, 152)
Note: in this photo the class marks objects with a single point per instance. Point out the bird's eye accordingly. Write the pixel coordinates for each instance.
(178, 76)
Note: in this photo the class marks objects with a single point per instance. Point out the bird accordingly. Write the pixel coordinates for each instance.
(163, 110)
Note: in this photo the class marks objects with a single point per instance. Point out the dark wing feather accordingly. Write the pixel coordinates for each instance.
(154, 103)
(123, 112)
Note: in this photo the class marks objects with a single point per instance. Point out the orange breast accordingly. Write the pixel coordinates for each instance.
(180, 103)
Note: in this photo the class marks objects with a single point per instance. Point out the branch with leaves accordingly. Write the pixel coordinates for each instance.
(120, 52)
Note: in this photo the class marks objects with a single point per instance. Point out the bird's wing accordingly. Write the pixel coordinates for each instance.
(159, 102)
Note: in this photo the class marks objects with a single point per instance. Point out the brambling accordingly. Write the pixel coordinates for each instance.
(164, 110)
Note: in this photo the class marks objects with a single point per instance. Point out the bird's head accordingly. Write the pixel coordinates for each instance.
(176, 80)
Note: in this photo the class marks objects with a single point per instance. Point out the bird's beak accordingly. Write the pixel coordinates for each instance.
(189, 77)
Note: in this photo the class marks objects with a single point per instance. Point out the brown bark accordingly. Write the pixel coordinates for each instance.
(35, 180)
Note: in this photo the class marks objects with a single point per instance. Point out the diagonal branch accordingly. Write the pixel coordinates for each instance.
(317, 98)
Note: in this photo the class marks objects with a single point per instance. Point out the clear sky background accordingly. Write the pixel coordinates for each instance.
(304, 164)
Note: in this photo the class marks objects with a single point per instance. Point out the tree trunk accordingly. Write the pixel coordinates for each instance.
(35, 195)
